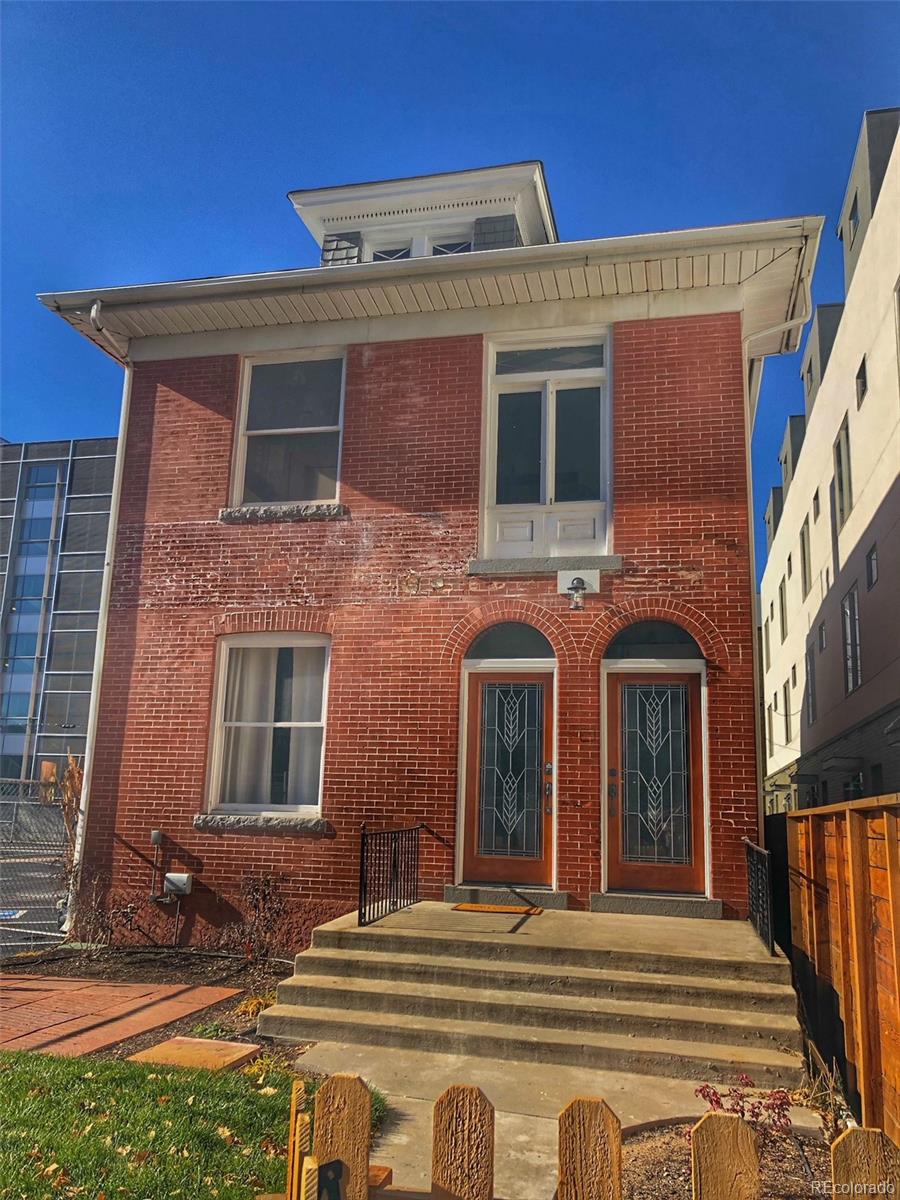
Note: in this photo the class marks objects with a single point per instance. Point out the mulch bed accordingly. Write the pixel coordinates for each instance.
(657, 1166)
(164, 966)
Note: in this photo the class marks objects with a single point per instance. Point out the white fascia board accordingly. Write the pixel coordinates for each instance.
(756, 234)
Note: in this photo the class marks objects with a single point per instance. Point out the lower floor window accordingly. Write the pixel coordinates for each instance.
(270, 726)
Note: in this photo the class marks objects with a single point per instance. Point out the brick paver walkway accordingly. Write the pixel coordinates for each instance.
(77, 1016)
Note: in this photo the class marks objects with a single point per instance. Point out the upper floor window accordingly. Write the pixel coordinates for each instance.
(853, 219)
(843, 489)
(548, 448)
(871, 566)
(270, 722)
(810, 685)
(816, 505)
(850, 630)
(805, 560)
(782, 609)
(290, 440)
(862, 382)
(767, 652)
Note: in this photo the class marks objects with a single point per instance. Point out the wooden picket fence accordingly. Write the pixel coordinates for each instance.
(334, 1163)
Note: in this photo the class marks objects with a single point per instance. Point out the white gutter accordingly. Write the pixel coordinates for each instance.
(100, 648)
(792, 322)
(593, 252)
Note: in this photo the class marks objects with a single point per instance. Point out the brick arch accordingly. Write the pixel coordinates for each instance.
(276, 620)
(618, 617)
(493, 613)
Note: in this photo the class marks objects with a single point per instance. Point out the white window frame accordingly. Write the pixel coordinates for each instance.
(418, 237)
(239, 464)
(217, 728)
(548, 382)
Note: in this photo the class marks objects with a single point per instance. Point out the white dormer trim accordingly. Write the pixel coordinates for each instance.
(425, 200)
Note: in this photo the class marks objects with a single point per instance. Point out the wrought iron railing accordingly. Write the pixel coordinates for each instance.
(759, 893)
(388, 871)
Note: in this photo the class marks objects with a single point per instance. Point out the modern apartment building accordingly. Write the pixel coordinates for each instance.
(54, 515)
(451, 528)
(829, 594)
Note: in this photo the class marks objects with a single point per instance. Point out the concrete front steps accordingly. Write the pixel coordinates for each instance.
(639, 1011)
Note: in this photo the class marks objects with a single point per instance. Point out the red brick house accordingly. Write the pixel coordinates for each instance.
(452, 529)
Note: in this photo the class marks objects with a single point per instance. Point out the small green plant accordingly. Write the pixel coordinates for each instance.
(212, 1029)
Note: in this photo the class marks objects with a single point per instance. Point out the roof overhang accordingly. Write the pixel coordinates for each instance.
(770, 261)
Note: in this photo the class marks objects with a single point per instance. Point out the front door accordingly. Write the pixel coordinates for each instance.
(509, 779)
(654, 786)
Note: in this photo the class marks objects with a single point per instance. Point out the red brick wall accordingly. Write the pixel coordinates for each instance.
(389, 584)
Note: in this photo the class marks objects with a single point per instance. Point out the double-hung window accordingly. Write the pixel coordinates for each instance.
(548, 449)
(268, 737)
(291, 430)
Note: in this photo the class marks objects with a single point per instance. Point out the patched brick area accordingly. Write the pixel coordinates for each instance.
(389, 584)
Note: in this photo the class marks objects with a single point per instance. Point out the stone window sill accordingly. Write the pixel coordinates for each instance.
(608, 563)
(267, 514)
(271, 824)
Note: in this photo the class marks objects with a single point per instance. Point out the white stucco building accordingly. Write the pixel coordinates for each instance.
(830, 594)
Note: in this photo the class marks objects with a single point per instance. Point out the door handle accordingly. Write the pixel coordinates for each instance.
(612, 793)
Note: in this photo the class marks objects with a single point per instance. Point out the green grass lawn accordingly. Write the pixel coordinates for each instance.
(114, 1130)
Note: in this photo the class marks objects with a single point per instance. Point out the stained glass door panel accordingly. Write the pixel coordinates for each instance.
(509, 779)
(653, 789)
(510, 818)
(656, 800)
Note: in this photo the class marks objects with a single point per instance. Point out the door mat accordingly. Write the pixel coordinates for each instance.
(524, 910)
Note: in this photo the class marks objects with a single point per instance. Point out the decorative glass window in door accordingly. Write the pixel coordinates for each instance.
(510, 819)
(656, 808)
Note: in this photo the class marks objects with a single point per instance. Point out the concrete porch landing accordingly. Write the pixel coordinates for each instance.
(617, 933)
(674, 996)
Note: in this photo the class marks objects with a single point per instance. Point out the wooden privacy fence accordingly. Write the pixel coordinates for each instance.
(724, 1153)
(844, 875)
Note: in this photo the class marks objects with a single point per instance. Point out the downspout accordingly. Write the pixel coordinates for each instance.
(99, 649)
(118, 348)
(758, 705)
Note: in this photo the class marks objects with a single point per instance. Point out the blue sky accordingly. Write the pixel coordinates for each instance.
(156, 141)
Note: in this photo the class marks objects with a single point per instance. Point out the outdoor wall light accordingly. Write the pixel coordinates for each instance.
(576, 590)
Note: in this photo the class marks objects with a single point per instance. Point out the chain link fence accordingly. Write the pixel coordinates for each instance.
(33, 883)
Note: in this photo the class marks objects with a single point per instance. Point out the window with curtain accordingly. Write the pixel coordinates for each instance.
(271, 724)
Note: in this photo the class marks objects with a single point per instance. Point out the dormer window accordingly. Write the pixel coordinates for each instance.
(391, 255)
(409, 242)
(451, 247)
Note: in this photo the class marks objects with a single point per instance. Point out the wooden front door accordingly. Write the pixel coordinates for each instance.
(654, 784)
(509, 779)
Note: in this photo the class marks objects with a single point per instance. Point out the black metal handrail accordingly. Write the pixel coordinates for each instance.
(759, 892)
(388, 871)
